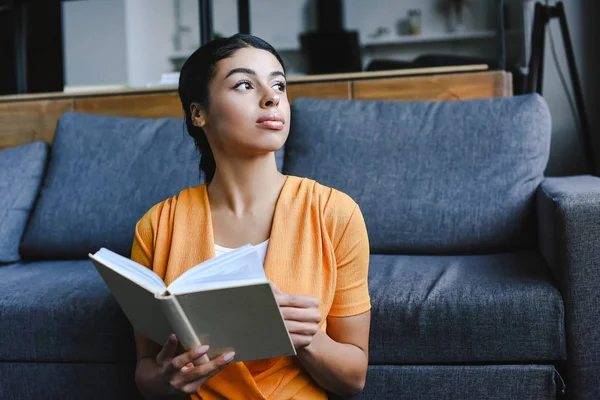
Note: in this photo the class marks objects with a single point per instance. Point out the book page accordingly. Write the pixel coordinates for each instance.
(236, 268)
(131, 270)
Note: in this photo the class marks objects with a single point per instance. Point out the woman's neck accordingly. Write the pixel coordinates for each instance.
(245, 185)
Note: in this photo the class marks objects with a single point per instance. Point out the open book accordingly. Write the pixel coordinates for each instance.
(225, 302)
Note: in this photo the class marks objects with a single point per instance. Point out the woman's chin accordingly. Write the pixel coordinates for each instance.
(272, 141)
(272, 149)
(262, 148)
(261, 142)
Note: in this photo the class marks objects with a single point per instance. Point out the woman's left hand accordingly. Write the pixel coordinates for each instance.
(301, 315)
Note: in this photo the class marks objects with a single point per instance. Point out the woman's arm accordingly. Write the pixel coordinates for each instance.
(338, 360)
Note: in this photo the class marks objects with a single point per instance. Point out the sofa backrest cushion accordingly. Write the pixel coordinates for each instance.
(104, 173)
(21, 173)
(430, 177)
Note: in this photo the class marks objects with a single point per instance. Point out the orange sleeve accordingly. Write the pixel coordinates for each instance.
(352, 258)
(142, 250)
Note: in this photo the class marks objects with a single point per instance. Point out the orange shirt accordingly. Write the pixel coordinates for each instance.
(318, 246)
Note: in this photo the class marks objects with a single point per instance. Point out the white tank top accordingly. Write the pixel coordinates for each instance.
(261, 248)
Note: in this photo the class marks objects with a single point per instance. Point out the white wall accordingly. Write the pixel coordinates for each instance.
(149, 28)
(123, 41)
(94, 33)
(225, 17)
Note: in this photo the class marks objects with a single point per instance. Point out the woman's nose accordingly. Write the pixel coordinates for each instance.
(270, 99)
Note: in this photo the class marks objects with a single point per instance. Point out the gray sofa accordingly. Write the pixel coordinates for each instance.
(484, 275)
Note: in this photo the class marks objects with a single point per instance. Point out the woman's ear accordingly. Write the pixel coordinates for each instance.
(198, 115)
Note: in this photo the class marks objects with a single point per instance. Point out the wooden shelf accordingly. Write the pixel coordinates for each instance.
(416, 39)
(26, 118)
(297, 79)
(429, 38)
(438, 37)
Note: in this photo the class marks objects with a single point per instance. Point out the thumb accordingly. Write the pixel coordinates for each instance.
(275, 288)
(168, 350)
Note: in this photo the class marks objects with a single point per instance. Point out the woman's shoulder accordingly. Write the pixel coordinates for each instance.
(167, 207)
(335, 205)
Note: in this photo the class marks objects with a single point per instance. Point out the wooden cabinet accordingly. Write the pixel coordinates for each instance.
(27, 118)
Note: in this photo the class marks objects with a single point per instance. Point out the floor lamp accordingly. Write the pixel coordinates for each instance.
(534, 84)
(205, 8)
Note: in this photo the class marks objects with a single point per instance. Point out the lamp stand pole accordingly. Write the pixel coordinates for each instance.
(534, 84)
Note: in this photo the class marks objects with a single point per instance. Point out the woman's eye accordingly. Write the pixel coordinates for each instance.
(280, 86)
(243, 86)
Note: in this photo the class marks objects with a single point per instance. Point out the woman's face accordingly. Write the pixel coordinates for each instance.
(248, 112)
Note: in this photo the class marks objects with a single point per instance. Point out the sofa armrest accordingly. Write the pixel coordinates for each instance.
(569, 238)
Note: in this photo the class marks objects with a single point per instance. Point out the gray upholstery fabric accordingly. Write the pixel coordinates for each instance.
(104, 174)
(464, 382)
(54, 381)
(21, 173)
(464, 309)
(569, 225)
(107, 381)
(430, 177)
(61, 311)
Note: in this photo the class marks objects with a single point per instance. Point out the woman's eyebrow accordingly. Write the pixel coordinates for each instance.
(251, 72)
(241, 71)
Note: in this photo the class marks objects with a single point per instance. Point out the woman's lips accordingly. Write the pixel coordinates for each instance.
(275, 125)
(274, 122)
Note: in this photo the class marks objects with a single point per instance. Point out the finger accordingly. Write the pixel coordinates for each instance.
(187, 366)
(301, 314)
(301, 328)
(168, 350)
(276, 290)
(298, 300)
(201, 371)
(193, 387)
(189, 356)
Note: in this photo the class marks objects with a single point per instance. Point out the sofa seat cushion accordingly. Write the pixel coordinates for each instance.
(464, 382)
(464, 309)
(448, 177)
(66, 381)
(21, 173)
(61, 311)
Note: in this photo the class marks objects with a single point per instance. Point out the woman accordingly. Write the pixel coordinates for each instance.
(312, 238)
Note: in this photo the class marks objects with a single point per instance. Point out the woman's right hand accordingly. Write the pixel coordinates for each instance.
(186, 373)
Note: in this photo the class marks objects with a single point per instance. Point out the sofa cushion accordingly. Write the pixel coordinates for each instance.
(61, 311)
(104, 174)
(22, 173)
(464, 309)
(68, 381)
(464, 382)
(431, 177)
